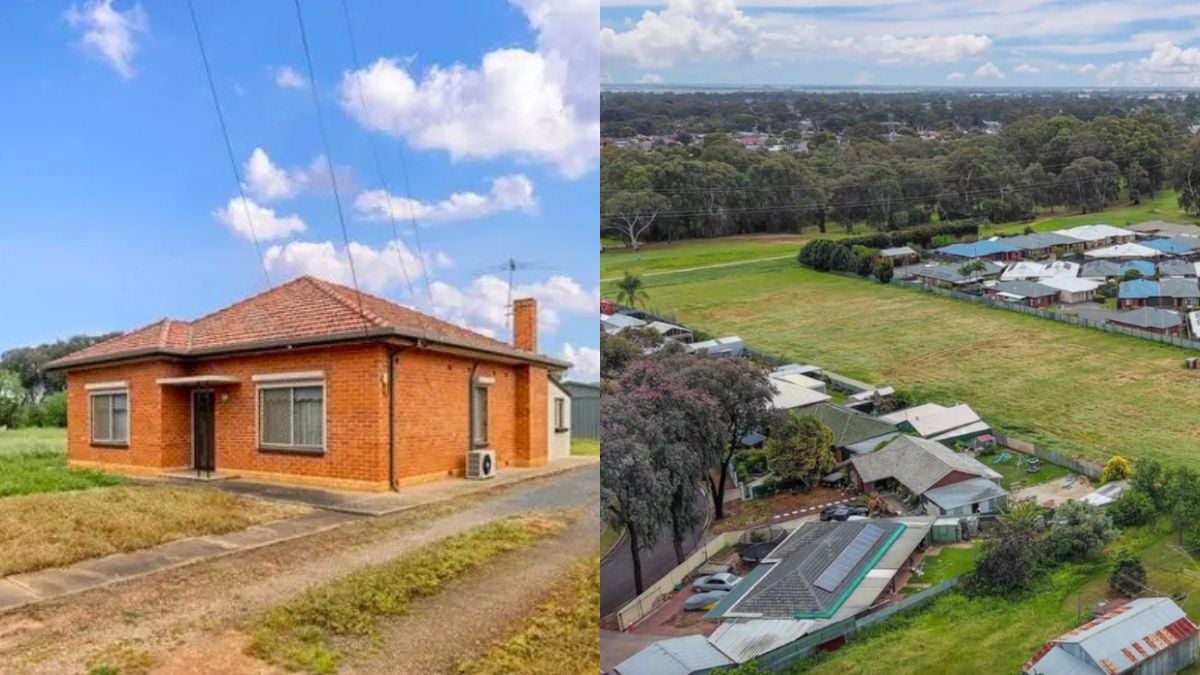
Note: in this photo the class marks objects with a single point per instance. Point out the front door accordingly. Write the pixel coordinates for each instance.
(203, 445)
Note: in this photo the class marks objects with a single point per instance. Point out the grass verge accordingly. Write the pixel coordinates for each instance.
(562, 636)
(585, 446)
(302, 633)
(35, 460)
(52, 530)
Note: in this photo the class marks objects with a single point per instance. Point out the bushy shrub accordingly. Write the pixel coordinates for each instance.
(1116, 468)
(1128, 576)
(1132, 508)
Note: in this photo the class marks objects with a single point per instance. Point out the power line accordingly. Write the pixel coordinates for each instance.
(237, 176)
(413, 218)
(375, 154)
(337, 198)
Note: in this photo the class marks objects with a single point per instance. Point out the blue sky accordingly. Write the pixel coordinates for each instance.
(974, 43)
(118, 190)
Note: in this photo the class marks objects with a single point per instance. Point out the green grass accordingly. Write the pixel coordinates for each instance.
(957, 634)
(1076, 390)
(608, 537)
(1012, 474)
(310, 632)
(949, 563)
(585, 446)
(35, 460)
(1162, 207)
(562, 636)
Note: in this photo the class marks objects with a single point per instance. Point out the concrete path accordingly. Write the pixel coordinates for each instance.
(387, 503)
(19, 590)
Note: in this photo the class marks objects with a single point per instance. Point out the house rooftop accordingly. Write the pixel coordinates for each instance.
(304, 311)
(676, 656)
(850, 426)
(1024, 289)
(977, 249)
(1148, 317)
(1173, 245)
(1129, 250)
(917, 464)
(1095, 232)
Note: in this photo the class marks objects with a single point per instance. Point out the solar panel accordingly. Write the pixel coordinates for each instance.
(850, 556)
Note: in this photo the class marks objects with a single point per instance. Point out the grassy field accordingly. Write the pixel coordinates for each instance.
(1012, 474)
(310, 632)
(35, 460)
(585, 446)
(52, 530)
(1162, 207)
(1073, 389)
(949, 563)
(563, 636)
(957, 634)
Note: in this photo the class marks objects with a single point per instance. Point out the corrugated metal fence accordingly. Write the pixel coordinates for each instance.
(1047, 314)
(585, 410)
(637, 609)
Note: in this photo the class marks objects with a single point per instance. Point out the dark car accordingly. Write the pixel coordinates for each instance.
(842, 512)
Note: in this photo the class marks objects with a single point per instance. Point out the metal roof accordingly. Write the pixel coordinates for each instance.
(918, 464)
(951, 274)
(1071, 284)
(1025, 289)
(1176, 268)
(791, 395)
(965, 493)
(931, 419)
(1148, 317)
(1030, 269)
(676, 656)
(850, 426)
(745, 640)
(1175, 245)
(897, 251)
(1123, 251)
(977, 249)
(1138, 289)
(1164, 228)
(1118, 641)
(1040, 240)
(1095, 232)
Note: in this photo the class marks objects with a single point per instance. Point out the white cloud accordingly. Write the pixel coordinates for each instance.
(287, 77)
(269, 182)
(1169, 59)
(1087, 68)
(988, 71)
(110, 33)
(650, 78)
(538, 105)
(585, 360)
(248, 219)
(483, 302)
(1110, 74)
(379, 270)
(1027, 69)
(508, 193)
(956, 76)
(717, 30)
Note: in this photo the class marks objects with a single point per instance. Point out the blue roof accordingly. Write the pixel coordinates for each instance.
(1169, 245)
(977, 249)
(1138, 288)
(1144, 266)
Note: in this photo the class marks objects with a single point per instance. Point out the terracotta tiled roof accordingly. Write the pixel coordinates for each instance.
(305, 309)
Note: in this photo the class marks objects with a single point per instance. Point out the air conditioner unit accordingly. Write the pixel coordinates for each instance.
(481, 464)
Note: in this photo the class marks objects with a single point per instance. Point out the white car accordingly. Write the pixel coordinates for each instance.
(723, 581)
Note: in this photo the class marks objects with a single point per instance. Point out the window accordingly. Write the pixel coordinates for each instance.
(110, 418)
(292, 417)
(560, 422)
(479, 415)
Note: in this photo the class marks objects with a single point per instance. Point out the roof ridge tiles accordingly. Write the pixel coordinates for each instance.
(328, 289)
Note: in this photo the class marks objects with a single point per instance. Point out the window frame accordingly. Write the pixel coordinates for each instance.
(560, 414)
(110, 442)
(483, 387)
(291, 448)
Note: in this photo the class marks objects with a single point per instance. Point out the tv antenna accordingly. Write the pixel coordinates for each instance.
(512, 266)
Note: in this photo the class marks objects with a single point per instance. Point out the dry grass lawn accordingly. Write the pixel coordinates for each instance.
(1074, 389)
(563, 636)
(56, 529)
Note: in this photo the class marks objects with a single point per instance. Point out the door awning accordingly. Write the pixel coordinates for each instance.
(195, 380)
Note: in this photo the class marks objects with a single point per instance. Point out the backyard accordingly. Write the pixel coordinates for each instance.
(1075, 390)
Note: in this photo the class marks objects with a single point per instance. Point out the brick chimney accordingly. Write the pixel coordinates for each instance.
(525, 324)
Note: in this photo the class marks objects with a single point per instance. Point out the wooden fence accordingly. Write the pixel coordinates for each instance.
(1086, 467)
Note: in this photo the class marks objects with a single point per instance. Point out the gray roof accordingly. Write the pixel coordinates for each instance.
(1148, 317)
(1179, 288)
(1025, 289)
(1100, 268)
(965, 493)
(789, 588)
(849, 426)
(917, 463)
(1120, 641)
(1040, 240)
(897, 251)
(676, 656)
(1162, 227)
(1176, 268)
(745, 640)
(950, 272)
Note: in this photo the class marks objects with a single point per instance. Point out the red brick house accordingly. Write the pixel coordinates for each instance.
(310, 382)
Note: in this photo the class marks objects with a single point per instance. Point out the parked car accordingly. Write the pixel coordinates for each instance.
(715, 582)
(842, 512)
(703, 601)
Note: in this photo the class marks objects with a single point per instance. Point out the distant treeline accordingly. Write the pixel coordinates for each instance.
(31, 396)
(717, 187)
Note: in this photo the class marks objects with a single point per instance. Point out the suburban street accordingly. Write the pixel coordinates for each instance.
(616, 570)
(191, 619)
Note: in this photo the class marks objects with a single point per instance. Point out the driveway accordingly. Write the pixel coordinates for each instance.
(616, 570)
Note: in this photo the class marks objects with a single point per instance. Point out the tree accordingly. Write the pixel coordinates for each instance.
(1010, 556)
(971, 269)
(801, 448)
(1137, 179)
(885, 269)
(1128, 577)
(54, 409)
(12, 396)
(633, 498)
(1149, 478)
(1181, 492)
(1090, 183)
(616, 353)
(1185, 176)
(1080, 531)
(630, 214)
(631, 290)
(743, 404)
(1116, 468)
(1132, 508)
(1130, 275)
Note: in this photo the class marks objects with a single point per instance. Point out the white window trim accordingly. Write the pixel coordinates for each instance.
(105, 386)
(108, 389)
(292, 384)
(301, 376)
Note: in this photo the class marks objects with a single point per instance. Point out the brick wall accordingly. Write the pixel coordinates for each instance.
(432, 415)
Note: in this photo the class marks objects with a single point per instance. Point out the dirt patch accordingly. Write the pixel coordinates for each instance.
(1056, 491)
(740, 515)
